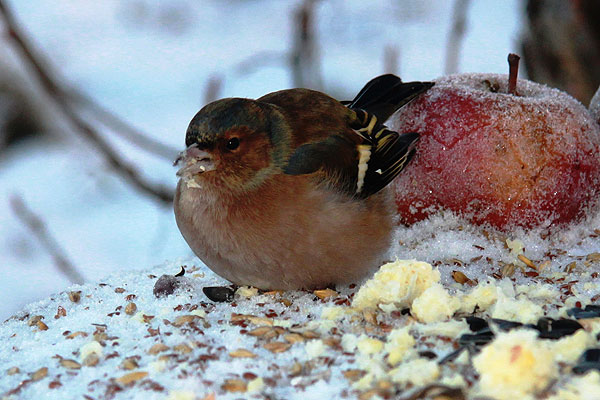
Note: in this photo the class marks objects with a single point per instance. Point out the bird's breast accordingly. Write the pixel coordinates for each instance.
(288, 234)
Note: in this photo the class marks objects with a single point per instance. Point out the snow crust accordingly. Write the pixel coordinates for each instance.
(594, 106)
(298, 344)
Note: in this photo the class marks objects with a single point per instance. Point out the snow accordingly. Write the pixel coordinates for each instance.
(297, 344)
(150, 62)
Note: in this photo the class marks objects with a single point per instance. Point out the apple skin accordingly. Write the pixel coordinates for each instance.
(496, 158)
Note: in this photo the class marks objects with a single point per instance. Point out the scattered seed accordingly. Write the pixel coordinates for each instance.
(42, 326)
(277, 347)
(508, 270)
(285, 302)
(460, 277)
(234, 385)
(252, 319)
(34, 320)
(526, 261)
(130, 308)
(570, 267)
(456, 261)
(158, 348)
(311, 335)
(166, 285)
(331, 342)
(91, 360)
(294, 338)
(544, 265)
(296, 369)
(75, 296)
(185, 319)
(75, 334)
(70, 364)
(260, 331)
(242, 353)
(370, 316)
(119, 290)
(249, 376)
(147, 318)
(274, 292)
(39, 374)
(132, 377)
(219, 294)
(354, 374)
(60, 312)
(182, 348)
(54, 384)
(325, 293)
(129, 363)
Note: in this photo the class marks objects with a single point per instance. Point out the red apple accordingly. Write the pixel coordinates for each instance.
(526, 159)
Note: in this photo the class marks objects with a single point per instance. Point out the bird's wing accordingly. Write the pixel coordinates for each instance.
(385, 94)
(382, 154)
(358, 169)
(335, 156)
(365, 156)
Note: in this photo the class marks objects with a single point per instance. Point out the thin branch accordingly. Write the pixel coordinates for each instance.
(304, 57)
(123, 128)
(213, 88)
(124, 168)
(391, 55)
(119, 126)
(38, 228)
(456, 35)
(260, 60)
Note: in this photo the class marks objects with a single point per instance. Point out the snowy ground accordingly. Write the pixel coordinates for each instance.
(399, 335)
(149, 62)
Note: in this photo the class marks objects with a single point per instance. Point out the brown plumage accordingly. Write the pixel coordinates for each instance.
(271, 193)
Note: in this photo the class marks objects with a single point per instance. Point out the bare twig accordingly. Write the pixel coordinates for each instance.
(260, 60)
(304, 57)
(390, 60)
(122, 128)
(124, 168)
(38, 228)
(213, 88)
(456, 35)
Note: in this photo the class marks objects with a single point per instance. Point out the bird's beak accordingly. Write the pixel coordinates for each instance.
(194, 161)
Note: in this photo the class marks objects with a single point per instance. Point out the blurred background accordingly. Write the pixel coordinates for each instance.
(95, 98)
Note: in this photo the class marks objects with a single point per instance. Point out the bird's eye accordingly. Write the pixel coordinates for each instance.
(233, 143)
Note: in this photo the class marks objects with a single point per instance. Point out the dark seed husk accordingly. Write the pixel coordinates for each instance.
(219, 294)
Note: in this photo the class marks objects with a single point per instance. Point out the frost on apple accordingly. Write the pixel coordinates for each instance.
(595, 106)
(527, 160)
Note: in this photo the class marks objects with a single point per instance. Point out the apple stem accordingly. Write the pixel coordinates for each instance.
(513, 71)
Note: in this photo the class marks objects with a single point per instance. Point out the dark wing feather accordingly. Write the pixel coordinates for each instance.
(335, 155)
(383, 95)
(388, 158)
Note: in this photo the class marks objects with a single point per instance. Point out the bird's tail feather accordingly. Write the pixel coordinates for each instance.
(385, 94)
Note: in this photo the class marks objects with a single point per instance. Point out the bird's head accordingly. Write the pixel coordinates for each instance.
(234, 144)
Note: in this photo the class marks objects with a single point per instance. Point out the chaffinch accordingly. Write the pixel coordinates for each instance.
(289, 191)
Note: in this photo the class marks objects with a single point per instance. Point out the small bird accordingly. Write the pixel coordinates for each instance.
(289, 191)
